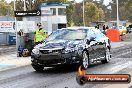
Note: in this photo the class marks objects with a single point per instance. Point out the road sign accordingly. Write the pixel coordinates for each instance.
(27, 13)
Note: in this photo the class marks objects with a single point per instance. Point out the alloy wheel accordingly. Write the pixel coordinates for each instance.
(108, 55)
(85, 60)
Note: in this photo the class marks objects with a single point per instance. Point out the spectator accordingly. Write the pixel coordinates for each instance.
(104, 28)
(40, 34)
(107, 27)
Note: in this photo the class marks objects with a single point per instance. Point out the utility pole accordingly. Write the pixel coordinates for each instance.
(24, 18)
(30, 4)
(16, 26)
(83, 12)
(117, 14)
(24, 5)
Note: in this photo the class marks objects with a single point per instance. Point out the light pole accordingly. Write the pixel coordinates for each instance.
(83, 13)
(15, 26)
(24, 5)
(24, 18)
(117, 14)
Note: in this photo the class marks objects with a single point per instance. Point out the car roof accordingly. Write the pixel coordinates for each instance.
(79, 27)
(82, 27)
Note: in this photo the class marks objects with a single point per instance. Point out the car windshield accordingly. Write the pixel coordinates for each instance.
(68, 34)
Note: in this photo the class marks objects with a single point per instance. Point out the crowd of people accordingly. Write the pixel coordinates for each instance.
(104, 28)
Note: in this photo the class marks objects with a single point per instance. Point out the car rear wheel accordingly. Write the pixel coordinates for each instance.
(107, 56)
(85, 60)
(38, 68)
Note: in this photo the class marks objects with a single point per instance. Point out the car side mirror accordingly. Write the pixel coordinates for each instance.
(88, 41)
(91, 39)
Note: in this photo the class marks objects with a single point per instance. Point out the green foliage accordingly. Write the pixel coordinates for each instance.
(93, 13)
(37, 3)
(125, 9)
(70, 11)
(77, 15)
(5, 8)
(56, 1)
(95, 10)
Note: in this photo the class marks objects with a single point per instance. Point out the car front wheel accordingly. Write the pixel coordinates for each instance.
(107, 56)
(38, 68)
(85, 60)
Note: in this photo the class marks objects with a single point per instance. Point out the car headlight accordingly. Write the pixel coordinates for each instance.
(68, 50)
(35, 51)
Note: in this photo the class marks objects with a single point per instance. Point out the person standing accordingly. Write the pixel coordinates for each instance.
(104, 29)
(107, 27)
(40, 34)
(97, 26)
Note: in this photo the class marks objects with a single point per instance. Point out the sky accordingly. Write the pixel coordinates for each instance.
(106, 2)
(8, 1)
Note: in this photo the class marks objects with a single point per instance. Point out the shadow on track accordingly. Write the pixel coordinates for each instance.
(66, 68)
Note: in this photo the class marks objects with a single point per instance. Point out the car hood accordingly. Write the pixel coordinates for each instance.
(60, 43)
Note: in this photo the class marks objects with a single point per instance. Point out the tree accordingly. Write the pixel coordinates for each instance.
(69, 11)
(37, 3)
(93, 13)
(5, 8)
(77, 15)
(29, 4)
(56, 1)
(19, 5)
(125, 8)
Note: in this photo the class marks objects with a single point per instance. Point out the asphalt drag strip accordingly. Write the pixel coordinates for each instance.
(65, 76)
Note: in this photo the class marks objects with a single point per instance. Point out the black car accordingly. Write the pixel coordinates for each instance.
(84, 46)
(129, 29)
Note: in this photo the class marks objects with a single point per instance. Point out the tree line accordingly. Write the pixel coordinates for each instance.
(95, 10)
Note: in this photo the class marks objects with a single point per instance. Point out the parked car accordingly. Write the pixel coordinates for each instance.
(68, 46)
(129, 29)
(122, 30)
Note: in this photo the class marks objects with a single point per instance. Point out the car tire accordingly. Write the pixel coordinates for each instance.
(81, 80)
(107, 56)
(38, 68)
(85, 60)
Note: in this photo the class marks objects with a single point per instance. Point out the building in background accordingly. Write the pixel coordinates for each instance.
(53, 16)
(7, 31)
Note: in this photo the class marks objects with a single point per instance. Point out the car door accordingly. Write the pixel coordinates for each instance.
(100, 39)
(92, 48)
